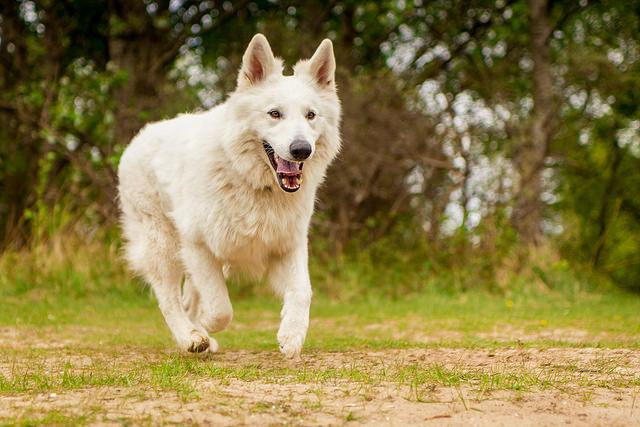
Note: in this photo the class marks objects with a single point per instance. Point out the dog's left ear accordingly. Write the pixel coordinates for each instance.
(322, 65)
(258, 62)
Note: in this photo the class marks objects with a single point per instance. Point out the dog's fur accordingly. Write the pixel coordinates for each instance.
(200, 197)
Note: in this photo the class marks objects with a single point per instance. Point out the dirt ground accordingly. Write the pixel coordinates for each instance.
(573, 386)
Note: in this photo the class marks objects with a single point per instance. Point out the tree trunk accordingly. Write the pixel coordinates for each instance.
(141, 92)
(529, 159)
(23, 121)
(146, 50)
(610, 206)
(135, 47)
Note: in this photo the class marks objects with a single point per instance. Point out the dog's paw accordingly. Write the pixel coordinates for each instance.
(291, 343)
(199, 342)
(213, 345)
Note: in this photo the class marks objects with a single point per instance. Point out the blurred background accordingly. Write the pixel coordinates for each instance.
(487, 144)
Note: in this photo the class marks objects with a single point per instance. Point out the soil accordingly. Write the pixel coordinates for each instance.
(587, 386)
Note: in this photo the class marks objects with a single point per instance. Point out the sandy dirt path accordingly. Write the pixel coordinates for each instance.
(497, 387)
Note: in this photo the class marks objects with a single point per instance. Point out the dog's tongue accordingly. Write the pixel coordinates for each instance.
(286, 167)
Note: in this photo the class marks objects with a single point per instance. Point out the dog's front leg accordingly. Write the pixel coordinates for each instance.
(289, 276)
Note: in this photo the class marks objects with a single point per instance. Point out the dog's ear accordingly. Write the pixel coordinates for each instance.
(322, 65)
(258, 62)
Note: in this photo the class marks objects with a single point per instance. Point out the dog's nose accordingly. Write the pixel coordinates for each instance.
(300, 149)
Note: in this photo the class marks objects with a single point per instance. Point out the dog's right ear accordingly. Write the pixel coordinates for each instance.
(258, 62)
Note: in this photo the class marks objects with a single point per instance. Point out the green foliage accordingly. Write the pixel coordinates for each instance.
(64, 266)
(599, 146)
(79, 78)
(401, 264)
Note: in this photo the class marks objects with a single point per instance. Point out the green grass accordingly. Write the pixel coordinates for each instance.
(130, 350)
(377, 298)
(75, 325)
(178, 373)
(57, 418)
(107, 325)
(459, 320)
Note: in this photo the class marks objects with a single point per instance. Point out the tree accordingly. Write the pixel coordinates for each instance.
(531, 153)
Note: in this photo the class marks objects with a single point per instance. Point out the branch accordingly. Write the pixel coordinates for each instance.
(437, 163)
(88, 169)
(326, 13)
(475, 28)
(630, 207)
(8, 107)
(105, 185)
(570, 12)
(171, 53)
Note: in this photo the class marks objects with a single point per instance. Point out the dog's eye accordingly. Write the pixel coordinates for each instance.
(275, 114)
(311, 115)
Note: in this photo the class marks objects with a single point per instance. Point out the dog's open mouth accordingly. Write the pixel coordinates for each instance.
(289, 173)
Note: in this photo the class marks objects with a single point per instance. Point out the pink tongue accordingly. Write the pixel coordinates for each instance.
(286, 167)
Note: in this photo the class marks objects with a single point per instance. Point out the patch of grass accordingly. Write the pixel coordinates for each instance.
(59, 284)
(181, 373)
(57, 418)
(167, 376)
(430, 319)
(35, 377)
(262, 406)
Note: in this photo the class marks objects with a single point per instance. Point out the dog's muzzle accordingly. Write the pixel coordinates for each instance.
(289, 173)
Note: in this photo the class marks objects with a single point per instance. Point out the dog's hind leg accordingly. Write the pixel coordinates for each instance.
(192, 304)
(152, 250)
(208, 288)
(191, 299)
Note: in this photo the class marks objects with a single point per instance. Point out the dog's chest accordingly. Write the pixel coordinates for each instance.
(250, 230)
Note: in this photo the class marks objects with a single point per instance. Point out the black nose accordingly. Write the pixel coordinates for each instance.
(300, 149)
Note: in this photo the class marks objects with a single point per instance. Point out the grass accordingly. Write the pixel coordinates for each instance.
(48, 418)
(471, 319)
(75, 326)
(478, 320)
(95, 344)
(180, 374)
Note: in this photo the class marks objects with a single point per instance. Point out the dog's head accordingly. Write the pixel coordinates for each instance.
(289, 121)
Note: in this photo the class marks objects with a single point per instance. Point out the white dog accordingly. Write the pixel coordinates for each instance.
(222, 191)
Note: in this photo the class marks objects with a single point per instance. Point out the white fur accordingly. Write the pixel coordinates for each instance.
(199, 197)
